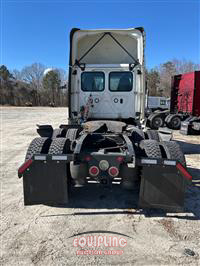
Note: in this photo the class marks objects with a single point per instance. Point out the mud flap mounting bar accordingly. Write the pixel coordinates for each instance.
(163, 184)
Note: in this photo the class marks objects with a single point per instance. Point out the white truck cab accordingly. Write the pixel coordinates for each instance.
(106, 76)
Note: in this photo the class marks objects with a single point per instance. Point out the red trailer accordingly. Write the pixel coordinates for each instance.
(184, 106)
(185, 94)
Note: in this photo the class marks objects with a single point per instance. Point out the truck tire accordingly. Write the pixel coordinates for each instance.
(167, 118)
(72, 133)
(58, 133)
(151, 148)
(153, 134)
(59, 146)
(137, 135)
(196, 126)
(62, 146)
(37, 146)
(174, 122)
(173, 151)
(156, 121)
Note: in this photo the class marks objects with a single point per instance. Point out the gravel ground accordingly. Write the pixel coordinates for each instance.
(40, 234)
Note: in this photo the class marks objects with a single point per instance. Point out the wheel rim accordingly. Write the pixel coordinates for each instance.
(175, 122)
(157, 121)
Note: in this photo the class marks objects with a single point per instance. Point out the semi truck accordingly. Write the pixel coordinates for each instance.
(103, 141)
(155, 104)
(184, 109)
(158, 103)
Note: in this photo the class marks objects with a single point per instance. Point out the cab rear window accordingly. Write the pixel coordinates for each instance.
(120, 81)
(162, 102)
(92, 81)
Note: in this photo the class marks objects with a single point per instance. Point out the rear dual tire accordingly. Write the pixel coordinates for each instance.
(152, 134)
(38, 146)
(174, 122)
(171, 149)
(48, 146)
(70, 132)
(151, 148)
(156, 121)
(59, 146)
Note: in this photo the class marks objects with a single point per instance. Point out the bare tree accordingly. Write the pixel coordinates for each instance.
(17, 74)
(33, 74)
(184, 66)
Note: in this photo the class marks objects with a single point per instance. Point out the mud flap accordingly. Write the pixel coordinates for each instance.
(45, 182)
(163, 185)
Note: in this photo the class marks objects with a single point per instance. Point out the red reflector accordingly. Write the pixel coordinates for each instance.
(184, 171)
(93, 171)
(25, 166)
(113, 171)
(87, 158)
(120, 159)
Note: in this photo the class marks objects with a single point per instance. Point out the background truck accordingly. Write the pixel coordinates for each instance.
(184, 105)
(103, 142)
(156, 103)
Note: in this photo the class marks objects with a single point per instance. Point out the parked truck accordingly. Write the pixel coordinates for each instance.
(103, 141)
(184, 110)
(156, 103)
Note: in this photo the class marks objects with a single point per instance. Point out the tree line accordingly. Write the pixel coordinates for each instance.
(30, 87)
(159, 78)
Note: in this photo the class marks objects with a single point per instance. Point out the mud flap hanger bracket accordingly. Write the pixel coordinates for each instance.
(44, 158)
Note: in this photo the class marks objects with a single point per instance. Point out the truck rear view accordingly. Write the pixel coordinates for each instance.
(103, 142)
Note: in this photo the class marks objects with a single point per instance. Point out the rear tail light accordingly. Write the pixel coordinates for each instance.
(120, 159)
(113, 171)
(94, 171)
(87, 158)
(25, 166)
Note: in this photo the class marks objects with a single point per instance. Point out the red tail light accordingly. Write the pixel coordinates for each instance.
(113, 171)
(87, 158)
(94, 171)
(120, 159)
(25, 166)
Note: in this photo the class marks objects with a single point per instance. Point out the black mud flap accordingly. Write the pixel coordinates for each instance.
(45, 181)
(163, 184)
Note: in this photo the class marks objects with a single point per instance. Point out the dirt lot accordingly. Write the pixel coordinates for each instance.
(40, 234)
